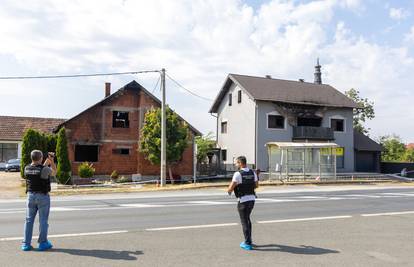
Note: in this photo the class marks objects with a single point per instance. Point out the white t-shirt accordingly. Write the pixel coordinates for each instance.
(237, 178)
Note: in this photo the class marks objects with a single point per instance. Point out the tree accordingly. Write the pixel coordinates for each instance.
(394, 149)
(409, 155)
(32, 140)
(63, 167)
(204, 145)
(150, 141)
(364, 111)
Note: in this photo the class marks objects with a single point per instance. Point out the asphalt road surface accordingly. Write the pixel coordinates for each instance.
(295, 226)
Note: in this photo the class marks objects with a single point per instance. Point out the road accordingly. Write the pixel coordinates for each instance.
(297, 226)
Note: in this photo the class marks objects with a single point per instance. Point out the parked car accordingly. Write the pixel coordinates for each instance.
(13, 165)
(2, 166)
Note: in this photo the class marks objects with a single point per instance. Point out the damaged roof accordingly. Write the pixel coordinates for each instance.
(276, 90)
(133, 85)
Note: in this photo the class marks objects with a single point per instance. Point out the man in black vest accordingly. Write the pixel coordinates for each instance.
(37, 177)
(244, 183)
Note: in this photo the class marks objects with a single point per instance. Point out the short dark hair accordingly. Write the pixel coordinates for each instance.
(242, 159)
(36, 155)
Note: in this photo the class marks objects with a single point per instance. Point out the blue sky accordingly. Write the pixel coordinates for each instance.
(368, 45)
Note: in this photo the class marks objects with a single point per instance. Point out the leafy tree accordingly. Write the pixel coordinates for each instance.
(32, 140)
(63, 167)
(204, 145)
(393, 148)
(364, 111)
(150, 140)
(409, 155)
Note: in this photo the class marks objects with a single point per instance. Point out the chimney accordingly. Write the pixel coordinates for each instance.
(107, 89)
(268, 76)
(318, 74)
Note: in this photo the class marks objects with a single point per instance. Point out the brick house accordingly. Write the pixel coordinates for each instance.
(107, 134)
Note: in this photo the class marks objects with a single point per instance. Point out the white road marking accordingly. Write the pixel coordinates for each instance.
(307, 219)
(210, 202)
(138, 205)
(268, 200)
(387, 213)
(399, 194)
(191, 227)
(63, 209)
(312, 197)
(68, 235)
(361, 196)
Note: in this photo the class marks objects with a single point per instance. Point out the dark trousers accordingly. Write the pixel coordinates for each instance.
(245, 209)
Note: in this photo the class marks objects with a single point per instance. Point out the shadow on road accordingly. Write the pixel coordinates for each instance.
(101, 253)
(305, 250)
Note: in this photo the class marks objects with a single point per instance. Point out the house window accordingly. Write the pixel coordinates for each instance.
(230, 99)
(275, 122)
(338, 125)
(120, 151)
(239, 96)
(223, 154)
(224, 127)
(120, 119)
(8, 151)
(87, 153)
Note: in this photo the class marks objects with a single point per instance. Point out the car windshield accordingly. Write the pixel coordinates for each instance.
(14, 161)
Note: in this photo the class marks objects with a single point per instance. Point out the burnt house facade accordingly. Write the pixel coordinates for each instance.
(107, 134)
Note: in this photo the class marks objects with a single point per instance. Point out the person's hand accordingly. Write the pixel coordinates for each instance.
(229, 193)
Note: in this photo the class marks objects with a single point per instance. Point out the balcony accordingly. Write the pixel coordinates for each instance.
(312, 133)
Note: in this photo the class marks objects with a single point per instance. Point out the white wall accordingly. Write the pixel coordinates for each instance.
(240, 117)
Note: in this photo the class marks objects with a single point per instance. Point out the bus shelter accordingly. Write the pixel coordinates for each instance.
(294, 160)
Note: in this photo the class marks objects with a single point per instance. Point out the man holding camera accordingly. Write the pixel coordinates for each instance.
(37, 177)
(244, 183)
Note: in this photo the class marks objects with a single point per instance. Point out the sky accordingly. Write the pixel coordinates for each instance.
(367, 45)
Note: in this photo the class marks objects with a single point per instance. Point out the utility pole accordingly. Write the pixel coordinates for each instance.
(163, 132)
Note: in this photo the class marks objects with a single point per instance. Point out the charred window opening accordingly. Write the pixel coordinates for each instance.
(87, 153)
(121, 151)
(275, 122)
(312, 122)
(337, 125)
(120, 119)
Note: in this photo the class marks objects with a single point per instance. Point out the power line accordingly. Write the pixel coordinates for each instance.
(189, 91)
(75, 75)
(155, 87)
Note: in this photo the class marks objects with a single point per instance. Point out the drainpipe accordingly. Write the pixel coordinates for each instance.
(255, 134)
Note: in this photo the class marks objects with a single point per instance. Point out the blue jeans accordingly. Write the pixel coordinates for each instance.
(36, 202)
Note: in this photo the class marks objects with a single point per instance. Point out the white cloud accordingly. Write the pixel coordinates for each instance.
(198, 42)
(409, 37)
(398, 13)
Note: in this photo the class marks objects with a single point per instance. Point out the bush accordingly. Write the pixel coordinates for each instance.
(86, 170)
(124, 179)
(63, 167)
(114, 175)
(32, 140)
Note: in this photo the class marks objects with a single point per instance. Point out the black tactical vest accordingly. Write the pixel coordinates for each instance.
(34, 181)
(248, 184)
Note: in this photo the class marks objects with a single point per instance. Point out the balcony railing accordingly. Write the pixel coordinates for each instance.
(314, 133)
